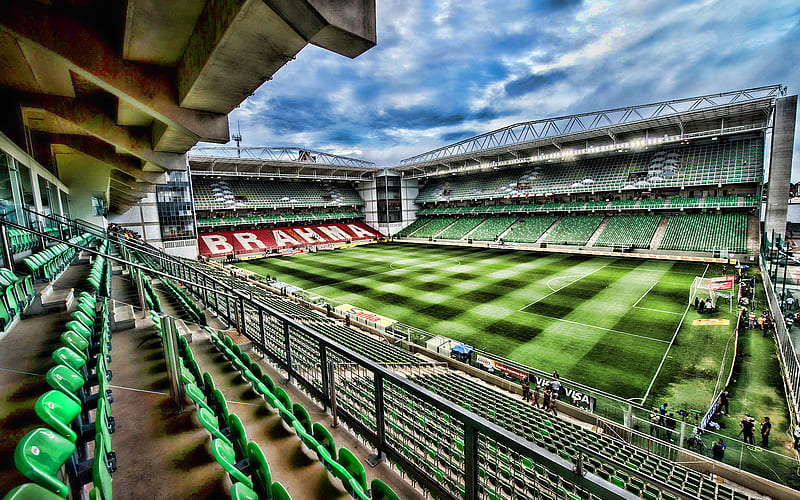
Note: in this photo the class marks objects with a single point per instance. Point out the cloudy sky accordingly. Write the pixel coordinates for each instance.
(445, 70)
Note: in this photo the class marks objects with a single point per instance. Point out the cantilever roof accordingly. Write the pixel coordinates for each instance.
(718, 113)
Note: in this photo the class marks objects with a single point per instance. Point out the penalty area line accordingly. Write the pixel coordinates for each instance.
(671, 343)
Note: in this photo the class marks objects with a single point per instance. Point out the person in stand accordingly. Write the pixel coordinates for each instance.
(766, 427)
(748, 427)
(724, 397)
(555, 387)
(662, 414)
(654, 424)
(546, 399)
(526, 389)
(552, 407)
(670, 424)
(797, 437)
(718, 449)
(535, 397)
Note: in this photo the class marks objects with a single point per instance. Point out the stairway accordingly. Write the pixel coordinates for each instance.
(598, 232)
(546, 233)
(659, 234)
(510, 228)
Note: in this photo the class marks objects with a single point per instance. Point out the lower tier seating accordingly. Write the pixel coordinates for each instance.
(530, 229)
(628, 230)
(574, 230)
(706, 232)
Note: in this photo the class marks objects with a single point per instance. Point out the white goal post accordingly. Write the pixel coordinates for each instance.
(704, 289)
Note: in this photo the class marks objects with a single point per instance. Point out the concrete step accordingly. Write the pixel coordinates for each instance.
(598, 232)
(123, 317)
(659, 234)
(50, 299)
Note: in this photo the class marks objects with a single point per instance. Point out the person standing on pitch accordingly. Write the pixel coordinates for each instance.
(766, 427)
(718, 450)
(748, 428)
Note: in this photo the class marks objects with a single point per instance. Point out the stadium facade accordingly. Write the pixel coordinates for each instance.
(103, 103)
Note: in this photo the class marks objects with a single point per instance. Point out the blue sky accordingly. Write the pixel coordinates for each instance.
(445, 70)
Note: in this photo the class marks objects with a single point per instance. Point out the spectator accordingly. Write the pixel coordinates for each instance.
(526, 389)
(662, 413)
(535, 397)
(546, 399)
(797, 437)
(718, 450)
(555, 388)
(724, 397)
(766, 427)
(552, 407)
(654, 420)
(670, 425)
(748, 429)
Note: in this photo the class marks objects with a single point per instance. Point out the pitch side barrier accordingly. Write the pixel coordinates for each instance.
(263, 325)
(772, 249)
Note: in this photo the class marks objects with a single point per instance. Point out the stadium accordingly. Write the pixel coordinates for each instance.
(563, 308)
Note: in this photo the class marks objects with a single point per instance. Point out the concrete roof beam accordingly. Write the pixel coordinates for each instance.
(346, 27)
(93, 120)
(150, 89)
(89, 146)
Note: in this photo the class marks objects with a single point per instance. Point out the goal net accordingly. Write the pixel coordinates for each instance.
(699, 290)
(712, 289)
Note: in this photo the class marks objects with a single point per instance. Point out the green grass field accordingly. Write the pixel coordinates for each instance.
(606, 322)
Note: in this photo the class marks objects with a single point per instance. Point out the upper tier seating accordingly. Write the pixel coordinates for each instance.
(530, 229)
(721, 162)
(574, 230)
(211, 194)
(706, 232)
(629, 230)
(276, 218)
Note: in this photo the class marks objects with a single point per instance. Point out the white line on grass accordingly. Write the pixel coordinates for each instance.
(658, 310)
(645, 293)
(674, 335)
(561, 278)
(558, 290)
(595, 327)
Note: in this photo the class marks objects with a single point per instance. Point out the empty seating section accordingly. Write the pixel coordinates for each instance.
(75, 412)
(211, 194)
(706, 232)
(244, 460)
(48, 263)
(747, 200)
(629, 230)
(17, 293)
(276, 218)
(460, 228)
(406, 231)
(530, 229)
(737, 160)
(20, 240)
(434, 227)
(492, 228)
(574, 230)
(510, 474)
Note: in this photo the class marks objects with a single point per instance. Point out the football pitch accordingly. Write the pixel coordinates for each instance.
(603, 321)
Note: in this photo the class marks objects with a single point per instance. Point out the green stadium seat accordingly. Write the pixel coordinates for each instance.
(279, 492)
(58, 410)
(39, 456)
(380, 491)
(101, 478)
(354, 467)
(240, 491)
(31, 491)
(259, 469)
(65, 379)
(225, 456)
(67, 356)
(324, 438)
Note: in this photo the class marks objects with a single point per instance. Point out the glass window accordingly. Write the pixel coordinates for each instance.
(7, 207)
(45, 191)
(390, 206)
(64, 204)
(27, 190)
(175, 209)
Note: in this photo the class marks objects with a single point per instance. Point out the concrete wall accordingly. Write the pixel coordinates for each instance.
(410, 190)
(780, 165)
(366, 189)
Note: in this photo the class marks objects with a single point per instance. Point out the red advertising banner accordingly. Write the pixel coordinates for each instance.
(223, 243)
(724, 285)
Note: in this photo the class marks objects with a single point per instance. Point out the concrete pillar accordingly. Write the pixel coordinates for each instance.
(780, 162)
